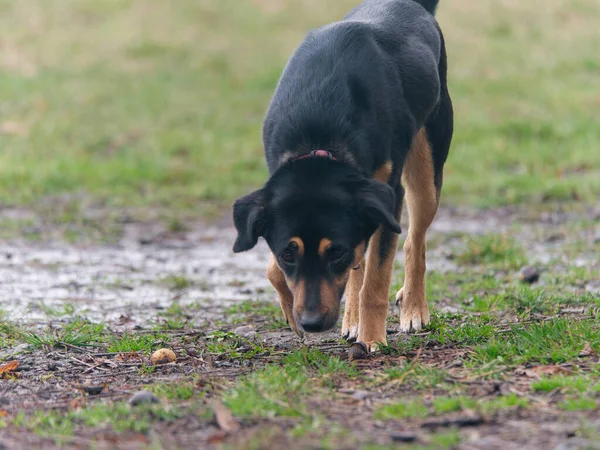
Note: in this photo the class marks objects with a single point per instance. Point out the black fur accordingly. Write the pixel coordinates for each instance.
(361, 89)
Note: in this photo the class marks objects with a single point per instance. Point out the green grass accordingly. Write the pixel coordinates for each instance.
(416, 408)
(282, 389)
(78, 333)
(143, 342)
(177, 282)
(554, 341)
(118, 416)
(405, 410)
(161, 104)
(492, 249)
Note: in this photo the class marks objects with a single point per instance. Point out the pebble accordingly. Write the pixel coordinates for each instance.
(529, 275)
(142, 397)
(593, 287)
(360, 395)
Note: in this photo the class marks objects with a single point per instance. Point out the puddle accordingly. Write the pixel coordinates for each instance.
(106, 283)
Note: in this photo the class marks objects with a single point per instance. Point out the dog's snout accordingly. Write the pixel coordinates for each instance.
(312, 322)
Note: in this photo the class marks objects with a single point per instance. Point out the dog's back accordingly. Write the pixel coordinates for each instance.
(373, 74)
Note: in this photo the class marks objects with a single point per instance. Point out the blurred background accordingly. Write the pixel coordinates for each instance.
(155, 107)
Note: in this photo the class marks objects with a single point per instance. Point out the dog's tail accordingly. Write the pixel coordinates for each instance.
(429, 5)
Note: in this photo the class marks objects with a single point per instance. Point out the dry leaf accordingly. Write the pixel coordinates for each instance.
(586, 351)
(77, 403)
(9, 369)
(540, 371)
(225, 419)
(3, 413)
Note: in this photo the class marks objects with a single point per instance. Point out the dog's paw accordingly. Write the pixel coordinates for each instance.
(296, 329)
(414, 312)
(373, 346)
(399, 296)
(350, 333)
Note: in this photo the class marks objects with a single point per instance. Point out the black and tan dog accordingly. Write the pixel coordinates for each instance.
(360, 119)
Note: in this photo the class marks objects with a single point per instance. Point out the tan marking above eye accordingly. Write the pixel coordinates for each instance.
(297, 243)
(324, 245)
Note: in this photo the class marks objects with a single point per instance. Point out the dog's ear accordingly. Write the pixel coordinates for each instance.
(376, 203)
(249, 220)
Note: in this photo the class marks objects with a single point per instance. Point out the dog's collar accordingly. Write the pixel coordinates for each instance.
(317, 154)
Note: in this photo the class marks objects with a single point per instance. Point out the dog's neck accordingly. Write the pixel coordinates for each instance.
(316, 154)
(341, 156)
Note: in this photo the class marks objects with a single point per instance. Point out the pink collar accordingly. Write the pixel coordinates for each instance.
(318, 154)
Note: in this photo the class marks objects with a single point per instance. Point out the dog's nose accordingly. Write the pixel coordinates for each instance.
(312, 322)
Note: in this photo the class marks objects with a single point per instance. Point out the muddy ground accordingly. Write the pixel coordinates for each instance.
(183, 287)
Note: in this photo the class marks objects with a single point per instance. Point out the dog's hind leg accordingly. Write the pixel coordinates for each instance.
(286, 298)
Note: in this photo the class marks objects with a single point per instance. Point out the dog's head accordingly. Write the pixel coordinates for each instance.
(317, 217)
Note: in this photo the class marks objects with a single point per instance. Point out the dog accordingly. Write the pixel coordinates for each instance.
(360, 120)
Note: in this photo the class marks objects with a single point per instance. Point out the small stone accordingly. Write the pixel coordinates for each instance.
(357, 351)
(244, 331)
(405, 437)
(529, 275)
(360, 395)
(143, 397)
(163, 356)
(593, 287)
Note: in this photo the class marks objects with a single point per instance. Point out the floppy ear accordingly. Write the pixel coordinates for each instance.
(377, 203)
(249, 220)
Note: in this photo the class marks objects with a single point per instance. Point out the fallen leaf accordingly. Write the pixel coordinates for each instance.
(3, 413)
(224, 418)
(540, 371)
(586, 351)
(127, 356)
(9, 369)
(77, 403)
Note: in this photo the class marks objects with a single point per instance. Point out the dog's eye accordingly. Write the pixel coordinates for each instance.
(336, 253)
(288, 256)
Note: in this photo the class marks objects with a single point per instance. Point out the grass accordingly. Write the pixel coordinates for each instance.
(494, 250)
(121, 110)
(118, 416)
(166, 111)
(144, 343)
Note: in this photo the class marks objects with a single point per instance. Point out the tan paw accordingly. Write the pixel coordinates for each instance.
(399, 296)
(414, 312)
(372, 343)
(350, 333)
(293, 325)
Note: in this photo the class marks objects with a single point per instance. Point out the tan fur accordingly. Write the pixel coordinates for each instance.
(324, 245)
(286, 299)
(376, 278)
(384, 172)
(329, 300)
(422, 202)
(299, 297)
(300, 243)
(373, 297)
(355, 281)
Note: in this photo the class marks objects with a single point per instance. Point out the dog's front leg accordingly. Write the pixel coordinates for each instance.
(374, 293)
(286, 298)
